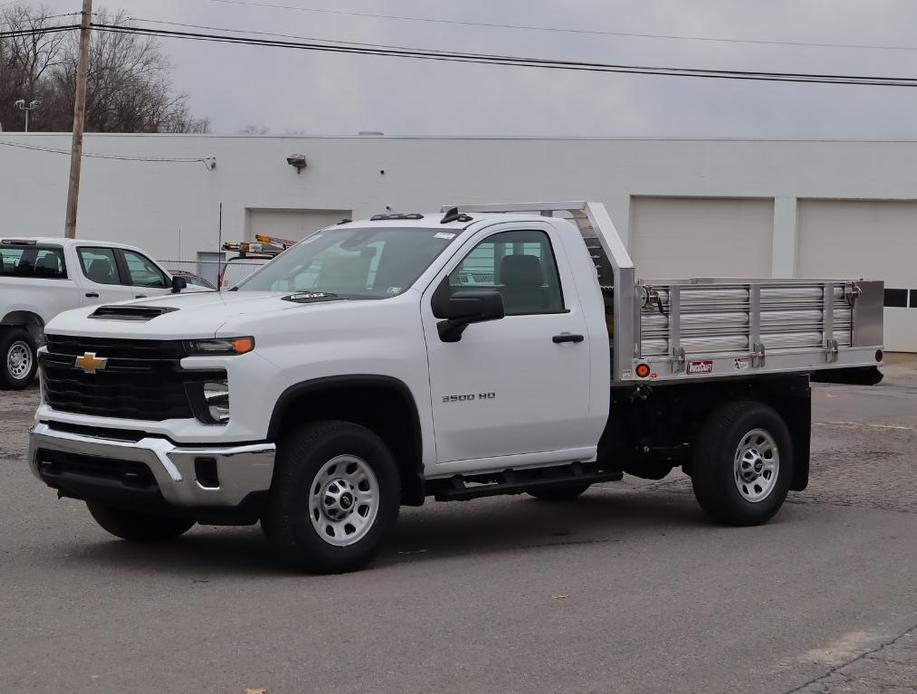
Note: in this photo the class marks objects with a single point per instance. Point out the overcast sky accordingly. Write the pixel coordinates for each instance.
(313, 93)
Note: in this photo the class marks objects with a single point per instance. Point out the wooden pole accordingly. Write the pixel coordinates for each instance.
(79, 118)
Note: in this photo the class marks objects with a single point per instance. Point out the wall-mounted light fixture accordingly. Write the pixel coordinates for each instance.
(297, 161)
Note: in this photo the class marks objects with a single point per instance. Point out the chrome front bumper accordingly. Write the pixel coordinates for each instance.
(241, 470)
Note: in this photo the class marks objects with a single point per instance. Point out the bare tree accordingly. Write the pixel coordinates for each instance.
(129, 88)
(25, 60)
(255, 130)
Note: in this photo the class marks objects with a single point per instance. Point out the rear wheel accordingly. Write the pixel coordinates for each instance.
(334, 498)
(136, 526)
(743, 464)
(19, 362)
(562, 492)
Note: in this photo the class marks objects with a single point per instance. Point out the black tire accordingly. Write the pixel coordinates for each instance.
(12, 342)
(715, 470)
(302, 457)
(562, 492)
(136, 526)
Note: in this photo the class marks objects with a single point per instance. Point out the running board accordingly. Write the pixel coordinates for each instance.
(520, 481)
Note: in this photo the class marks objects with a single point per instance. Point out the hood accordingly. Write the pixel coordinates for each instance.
(182, 316)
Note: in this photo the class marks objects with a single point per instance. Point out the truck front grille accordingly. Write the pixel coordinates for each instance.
(141, 379)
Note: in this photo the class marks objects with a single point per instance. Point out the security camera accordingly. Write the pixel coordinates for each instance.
(20, 103)
(297, 161)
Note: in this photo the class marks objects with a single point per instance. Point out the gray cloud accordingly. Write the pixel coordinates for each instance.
(338, 94)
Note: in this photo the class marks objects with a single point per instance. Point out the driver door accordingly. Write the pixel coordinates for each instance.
(508, 387)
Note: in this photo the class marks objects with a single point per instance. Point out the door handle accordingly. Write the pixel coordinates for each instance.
(92, 295)
(140, 296)
(567, 337)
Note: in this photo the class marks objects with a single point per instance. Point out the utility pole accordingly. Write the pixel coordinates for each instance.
(79, 117)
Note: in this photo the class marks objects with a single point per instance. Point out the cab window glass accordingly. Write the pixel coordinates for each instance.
(42, 263)
(142, 272)
(518, 264)
(99, 265)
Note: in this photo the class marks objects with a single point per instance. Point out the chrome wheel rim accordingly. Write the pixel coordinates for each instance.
(344, 500)
(757, 465)
(19, 360)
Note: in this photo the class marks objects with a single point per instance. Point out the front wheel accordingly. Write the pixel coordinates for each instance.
(743, 464)
(334, 498)
(136, 526)
(19, 362)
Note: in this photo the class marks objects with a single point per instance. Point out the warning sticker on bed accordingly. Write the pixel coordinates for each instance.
(704, 366)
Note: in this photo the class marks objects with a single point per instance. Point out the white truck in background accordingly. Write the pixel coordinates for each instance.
(40, 277)
(477, 351)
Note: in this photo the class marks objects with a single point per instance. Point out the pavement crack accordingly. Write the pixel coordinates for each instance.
(837, 668)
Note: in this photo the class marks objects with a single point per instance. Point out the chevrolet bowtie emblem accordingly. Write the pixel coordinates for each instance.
(90, 363)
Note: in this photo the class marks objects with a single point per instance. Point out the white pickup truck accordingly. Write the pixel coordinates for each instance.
(40, 277)
(481, 350)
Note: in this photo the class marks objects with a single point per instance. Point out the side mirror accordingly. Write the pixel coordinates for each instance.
(178, 283)
(462, 308)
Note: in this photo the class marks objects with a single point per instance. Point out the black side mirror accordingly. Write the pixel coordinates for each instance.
(178, 283)
(461, 308)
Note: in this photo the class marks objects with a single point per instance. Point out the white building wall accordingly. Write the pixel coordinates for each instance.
(149, 203)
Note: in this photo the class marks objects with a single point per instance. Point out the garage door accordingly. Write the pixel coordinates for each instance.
(873, 239)
(290, 224)
(701, 237)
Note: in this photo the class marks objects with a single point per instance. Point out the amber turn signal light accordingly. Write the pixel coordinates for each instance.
(241, 345)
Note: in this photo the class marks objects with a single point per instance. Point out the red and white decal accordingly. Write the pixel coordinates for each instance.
(704, 366)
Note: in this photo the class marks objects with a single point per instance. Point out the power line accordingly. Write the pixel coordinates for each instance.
(486, 59)
(116, 157)
(483, 58)
(38, 30)
(562, 30)
(261, 33)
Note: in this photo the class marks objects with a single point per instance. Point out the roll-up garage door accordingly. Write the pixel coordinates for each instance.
(290, 224)
(701, 237)
(872, 239)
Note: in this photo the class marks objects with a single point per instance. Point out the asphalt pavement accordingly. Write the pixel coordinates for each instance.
(628, 589)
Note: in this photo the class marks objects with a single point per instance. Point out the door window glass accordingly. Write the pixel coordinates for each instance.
(518, 264)
(143, 272)
(99, 265)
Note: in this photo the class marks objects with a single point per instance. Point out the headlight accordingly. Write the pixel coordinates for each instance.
(222, 345)
(216, 401)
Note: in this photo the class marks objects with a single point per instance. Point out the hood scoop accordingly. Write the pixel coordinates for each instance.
(133, 313)
(310, 297)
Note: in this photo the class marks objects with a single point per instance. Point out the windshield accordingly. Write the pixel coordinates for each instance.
(352, 263)
(237, 269)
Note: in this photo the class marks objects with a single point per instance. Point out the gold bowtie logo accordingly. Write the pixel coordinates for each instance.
(90, 363)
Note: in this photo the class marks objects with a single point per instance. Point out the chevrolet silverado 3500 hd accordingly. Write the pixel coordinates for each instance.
(482, 350)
